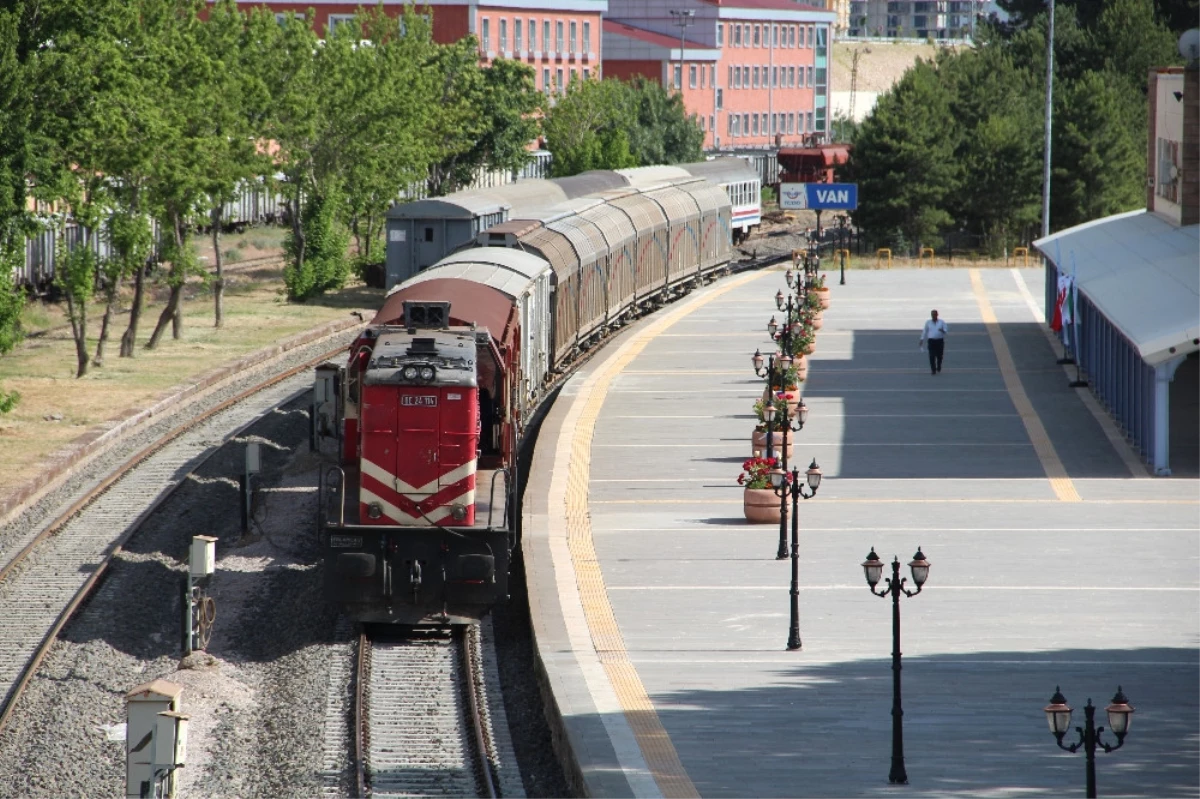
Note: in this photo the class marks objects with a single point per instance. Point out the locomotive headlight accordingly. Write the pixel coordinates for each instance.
(374, 510)
(410, 373)
(426, 372)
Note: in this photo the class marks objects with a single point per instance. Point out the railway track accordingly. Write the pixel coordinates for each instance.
(50, 570)
(423, 724)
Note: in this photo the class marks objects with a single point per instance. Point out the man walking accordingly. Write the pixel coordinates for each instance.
(934, 335)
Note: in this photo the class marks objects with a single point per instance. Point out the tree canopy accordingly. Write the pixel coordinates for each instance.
(957, 143)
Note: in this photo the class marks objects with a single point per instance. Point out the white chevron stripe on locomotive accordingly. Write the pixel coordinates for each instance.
(427, 520)
(387, 478)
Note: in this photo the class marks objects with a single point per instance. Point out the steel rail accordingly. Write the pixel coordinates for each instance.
(85, 590)
(482, 750)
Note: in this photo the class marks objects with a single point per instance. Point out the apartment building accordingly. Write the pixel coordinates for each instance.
(921, 19)
(754, 72)
(560, 39)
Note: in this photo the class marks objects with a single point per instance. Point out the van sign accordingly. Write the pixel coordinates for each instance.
(818, 196)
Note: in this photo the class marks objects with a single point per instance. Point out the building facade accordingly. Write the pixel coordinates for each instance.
(919, 19)
(754, 72)
(560, 39)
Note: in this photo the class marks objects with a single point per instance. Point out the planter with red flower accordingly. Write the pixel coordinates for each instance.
(822, 291)
(760, 504)
(758, 441)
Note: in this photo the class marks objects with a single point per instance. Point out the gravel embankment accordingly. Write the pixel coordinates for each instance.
(259, 700)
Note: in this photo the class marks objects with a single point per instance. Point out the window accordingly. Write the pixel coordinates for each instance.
(558, 80)
(720, 99)
(692, 76)
(791, 77)
(820, 120)
(338, 20)
(486, 39)
(283, 17)
(732, 83)
(791, 35)
(677, 76)
(746, 124)
(712, 75)
(732, 125)
(517, 29)
(503, 35)
(774, 77)
(712, 122)
(737, 35)
(746, 33)
(546, 36)
(810, 122)
(820, 77)
(546, 80)
(810, 36)
(587, 73)
(754, 123)
(558, 37)
(702, 73)
(774, 35)
(571, 42)
(755, 74)
(821, 31)
(587, 37)
(791, 123)
(810, 77)
(757, 31)
(720, 35)
(701, 124)
(533, 34)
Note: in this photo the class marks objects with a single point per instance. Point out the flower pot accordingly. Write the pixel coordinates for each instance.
(823, 295)
(810, 349)
(802, 367)
(760, 505)
(758, 443)
(817, 320)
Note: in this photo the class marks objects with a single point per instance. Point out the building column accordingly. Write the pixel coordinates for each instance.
(1164, 373)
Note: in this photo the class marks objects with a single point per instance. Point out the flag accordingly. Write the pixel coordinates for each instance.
(1067, 315)
(1064, 284)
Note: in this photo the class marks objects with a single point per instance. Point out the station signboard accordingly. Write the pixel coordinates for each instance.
(818, 196)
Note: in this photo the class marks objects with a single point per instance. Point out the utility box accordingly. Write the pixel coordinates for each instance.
(142, 706)
(170, 745)
(203, 559)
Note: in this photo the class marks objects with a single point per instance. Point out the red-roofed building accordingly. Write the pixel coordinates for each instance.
(754, 72)
(560, 39)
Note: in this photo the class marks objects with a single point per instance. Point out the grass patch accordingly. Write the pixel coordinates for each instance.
(42, 368)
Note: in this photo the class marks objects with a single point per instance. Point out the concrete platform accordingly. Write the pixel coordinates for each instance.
(661, 616)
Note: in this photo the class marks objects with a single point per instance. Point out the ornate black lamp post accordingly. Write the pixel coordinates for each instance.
(873, 567)
(801, 416)
(783, 488)
(1058, 714)
(769, 409)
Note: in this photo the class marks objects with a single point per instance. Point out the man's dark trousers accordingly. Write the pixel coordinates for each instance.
(937, 346)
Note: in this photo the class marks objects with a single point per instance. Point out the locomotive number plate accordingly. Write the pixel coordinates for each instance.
(345, 541)
(423, 401)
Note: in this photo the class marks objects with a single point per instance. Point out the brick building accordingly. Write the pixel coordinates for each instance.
(560, 39)
(755, 72)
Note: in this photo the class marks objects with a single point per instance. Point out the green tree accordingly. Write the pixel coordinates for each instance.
(586, 127)
(1099, 160)
(903, 159)
(662, 132)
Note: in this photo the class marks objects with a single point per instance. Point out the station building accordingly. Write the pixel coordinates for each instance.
(754, 72)
(560, 39)
(1135, 331)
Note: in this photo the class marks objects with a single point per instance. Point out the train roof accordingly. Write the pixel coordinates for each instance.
(591, 182)
(643, 176)
(507, 270)
(533, 192)
(723, 169)
(470, 302)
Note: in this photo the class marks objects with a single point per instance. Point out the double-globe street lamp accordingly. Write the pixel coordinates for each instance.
(783, 487)
(1058, 714)
(873, 567)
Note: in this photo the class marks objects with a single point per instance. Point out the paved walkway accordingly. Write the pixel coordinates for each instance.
(661, 616)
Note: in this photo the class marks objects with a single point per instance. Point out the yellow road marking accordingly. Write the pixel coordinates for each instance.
(1064, 489)
(657, 749)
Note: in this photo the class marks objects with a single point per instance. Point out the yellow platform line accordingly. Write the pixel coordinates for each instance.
(1064, 489)
(657, 749)
(905, 501)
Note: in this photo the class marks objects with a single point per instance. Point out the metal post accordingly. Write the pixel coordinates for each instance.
(1089, 747)
(782, 553)
(794, 632)
(1049, 118)
(897, 776)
